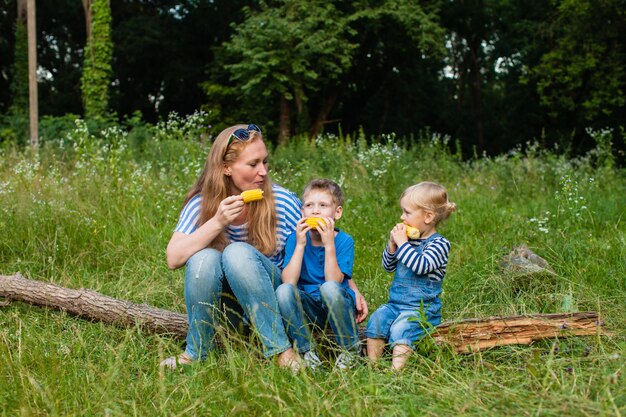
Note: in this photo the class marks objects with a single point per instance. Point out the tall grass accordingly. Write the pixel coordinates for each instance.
(96, 209)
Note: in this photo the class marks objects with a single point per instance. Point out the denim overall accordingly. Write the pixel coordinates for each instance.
(397, 321)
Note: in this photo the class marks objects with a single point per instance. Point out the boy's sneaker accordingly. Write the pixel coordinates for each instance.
(312, 360)
(345, 360)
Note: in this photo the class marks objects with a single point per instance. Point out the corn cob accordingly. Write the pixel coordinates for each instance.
(252, 195)
(312, 221)
(412, 232)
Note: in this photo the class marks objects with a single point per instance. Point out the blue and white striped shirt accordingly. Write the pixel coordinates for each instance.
(288, 212)
(432, 262)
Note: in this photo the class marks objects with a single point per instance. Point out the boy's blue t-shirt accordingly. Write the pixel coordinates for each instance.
(312, 271)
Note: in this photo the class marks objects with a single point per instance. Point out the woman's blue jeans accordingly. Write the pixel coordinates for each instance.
(212, 278)
(334, 306)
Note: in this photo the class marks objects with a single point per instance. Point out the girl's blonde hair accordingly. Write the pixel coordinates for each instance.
(214, 186)
(430, 196)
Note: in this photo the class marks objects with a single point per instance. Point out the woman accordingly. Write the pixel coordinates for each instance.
(235, 249)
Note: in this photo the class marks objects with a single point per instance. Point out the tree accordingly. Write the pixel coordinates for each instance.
(97, 70)
(582, 78)
(300, 51)
(156, 72)
(19, 70)
(18, 88)
(61, 42)
(7, 32)
(285, 50)
(393, 83)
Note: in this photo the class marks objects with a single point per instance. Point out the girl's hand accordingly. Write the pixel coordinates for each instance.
(229, 209)
(301, 229)
(398, 235)
(327, 231)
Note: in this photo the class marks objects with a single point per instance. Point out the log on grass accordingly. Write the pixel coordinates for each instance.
(93, 305)
(472, 335)
(465, 336)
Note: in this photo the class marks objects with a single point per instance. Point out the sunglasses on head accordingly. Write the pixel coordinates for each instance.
(243, 135)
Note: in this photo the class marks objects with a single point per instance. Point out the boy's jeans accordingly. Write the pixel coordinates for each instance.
(243, 274)
(335, 306)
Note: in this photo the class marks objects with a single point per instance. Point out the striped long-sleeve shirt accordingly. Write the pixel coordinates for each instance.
(431, 262)
(288, 212)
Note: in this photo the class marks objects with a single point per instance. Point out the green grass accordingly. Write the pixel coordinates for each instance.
(92, 211)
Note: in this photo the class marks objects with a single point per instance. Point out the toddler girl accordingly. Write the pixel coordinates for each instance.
(419, 265)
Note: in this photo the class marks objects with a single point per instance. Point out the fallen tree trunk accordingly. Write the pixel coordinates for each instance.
(469, 335)
(92, 305)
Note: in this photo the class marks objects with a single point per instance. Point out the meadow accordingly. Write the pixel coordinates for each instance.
(96, 210)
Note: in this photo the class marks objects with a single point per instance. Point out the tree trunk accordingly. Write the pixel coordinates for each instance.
(322, 116)
(22, 11)
(93, 305)
(284, 124)
(87, 10)
(475, 84)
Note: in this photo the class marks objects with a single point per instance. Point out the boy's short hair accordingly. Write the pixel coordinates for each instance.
(331, 187)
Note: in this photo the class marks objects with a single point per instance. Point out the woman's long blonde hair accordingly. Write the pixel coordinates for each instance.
(214, 186)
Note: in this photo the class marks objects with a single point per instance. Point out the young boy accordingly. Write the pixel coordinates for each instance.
(319, 260)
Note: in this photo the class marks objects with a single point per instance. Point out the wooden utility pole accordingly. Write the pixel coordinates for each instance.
(32, 75)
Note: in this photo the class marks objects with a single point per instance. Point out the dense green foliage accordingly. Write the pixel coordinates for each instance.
(491, 73)
(15, 128)
(299, 52)
(583, 73)
(95, 209)
(97, 71)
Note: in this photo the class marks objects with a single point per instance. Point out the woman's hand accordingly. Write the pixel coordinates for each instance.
(229, 209)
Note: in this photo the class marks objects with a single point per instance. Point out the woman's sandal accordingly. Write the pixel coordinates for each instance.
(173, 362)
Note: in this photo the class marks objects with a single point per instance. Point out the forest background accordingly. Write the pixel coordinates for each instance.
(489, 74)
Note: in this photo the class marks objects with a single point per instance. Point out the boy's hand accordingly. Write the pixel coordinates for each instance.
(361, 308)
(398, 235)
(301, 229)
(326, 230)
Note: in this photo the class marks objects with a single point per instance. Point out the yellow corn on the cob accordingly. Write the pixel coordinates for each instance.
(412, 232)
(312, 221)
(252, 195)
